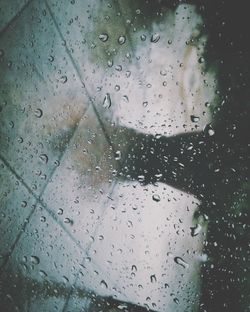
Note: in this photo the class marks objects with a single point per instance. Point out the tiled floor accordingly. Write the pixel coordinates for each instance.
(65, 219)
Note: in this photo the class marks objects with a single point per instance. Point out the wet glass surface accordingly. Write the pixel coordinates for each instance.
(124, 157)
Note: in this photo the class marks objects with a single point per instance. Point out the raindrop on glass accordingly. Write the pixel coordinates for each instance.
(106, 101)
(63, 79)
(38, 113)
(156, 198)
(195, 230)
(103, 37)
(194, 118)
(34, 260)
(155, 38)
(44, 158)
(181, 262)
(153, 278)
(104, 284)
(121, 39)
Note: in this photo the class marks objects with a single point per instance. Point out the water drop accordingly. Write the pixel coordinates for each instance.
(104, 284)
(155, 38)
(134, 268)
(42, 219)
(153, 278)
(103, 37)
(63, 79)
(194, 118)
(156, 198)
(51, 58)
(201, 60)
(176, 300)
(43, 274)
(143, 37)
(121, 39)
(208, 130)
(118, 155)
(68, 221)
(106, 101)
(195, 230)
(38, 113)
(125, 98)
(23, 204)
(181, 262)
(44, 158)
(34, 260)
(60, 211)
(110, 63)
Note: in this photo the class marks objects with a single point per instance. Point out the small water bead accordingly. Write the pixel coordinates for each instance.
(156, 198)
(43, 274)
(201, 60)
(43, 219)
(118, 155)
(195, 230)
(63, 79)
(125, 98)
(44, 158)
(143, 37)
(107, 101)
(51, 58)
(34, 260)
(23, 204)
(68, 221)
(60, 211)
(121, 40)
(153, 278)
(104, 284)
(155, 38)
(194, 118)
(103, 37)
(110, 63)
(118, 68)
(181, 262)
(38, 113)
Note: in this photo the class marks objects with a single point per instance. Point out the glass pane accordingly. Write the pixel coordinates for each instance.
(124, 156)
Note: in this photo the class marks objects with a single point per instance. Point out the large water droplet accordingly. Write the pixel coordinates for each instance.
(106, 101)
(155, 38)
(181, 262)
(103, 37)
